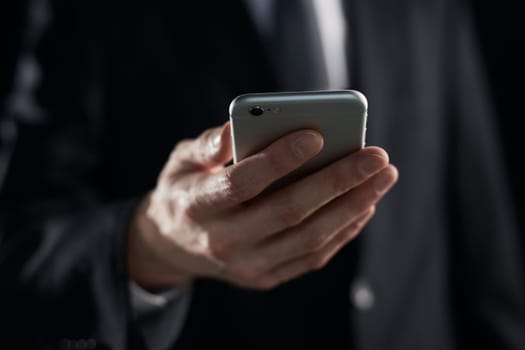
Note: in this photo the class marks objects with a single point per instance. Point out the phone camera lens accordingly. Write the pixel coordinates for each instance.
(256, 111)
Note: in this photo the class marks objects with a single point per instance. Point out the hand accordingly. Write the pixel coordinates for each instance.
(207, 220)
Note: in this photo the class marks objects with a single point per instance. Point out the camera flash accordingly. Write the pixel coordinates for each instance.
(277, 109)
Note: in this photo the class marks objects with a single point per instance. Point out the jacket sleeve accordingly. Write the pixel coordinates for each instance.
(62, 241)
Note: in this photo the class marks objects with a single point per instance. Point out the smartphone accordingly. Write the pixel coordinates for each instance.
(261, 118)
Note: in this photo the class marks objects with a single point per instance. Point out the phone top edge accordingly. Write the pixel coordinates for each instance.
(361, 97)
(260, 97)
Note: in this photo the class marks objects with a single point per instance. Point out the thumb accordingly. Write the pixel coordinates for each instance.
(211, 149)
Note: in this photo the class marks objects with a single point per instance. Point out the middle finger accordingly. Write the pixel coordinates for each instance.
(292, 205)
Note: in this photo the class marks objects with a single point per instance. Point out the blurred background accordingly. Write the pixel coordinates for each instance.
(500, 26)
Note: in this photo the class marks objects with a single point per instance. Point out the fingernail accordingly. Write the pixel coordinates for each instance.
(307, 145)
(370, 164)
(384, 181)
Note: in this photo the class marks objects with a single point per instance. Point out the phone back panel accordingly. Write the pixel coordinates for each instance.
(340, 116)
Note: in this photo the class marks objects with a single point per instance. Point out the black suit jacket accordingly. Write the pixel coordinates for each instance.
(121, 84)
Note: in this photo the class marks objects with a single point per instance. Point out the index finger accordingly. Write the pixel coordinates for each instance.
(248, 178)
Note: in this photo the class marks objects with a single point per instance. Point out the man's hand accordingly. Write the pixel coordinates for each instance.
(207, 220)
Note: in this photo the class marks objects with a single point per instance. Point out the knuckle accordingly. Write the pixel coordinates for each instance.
(221, 249)
(288, 214)
(236, 187)
(207, 139)
(350, 233)
(206, 136)
(339, 178)
(182, 144)
(316, 262)
(248, 272)
(358, 200)
(188, 205)
(266, 283)
(356, 227)
(176, 153)
(241, 273)
(313, 242)
(365, 198)
(190, 210)
(273, 162)
(258, 266)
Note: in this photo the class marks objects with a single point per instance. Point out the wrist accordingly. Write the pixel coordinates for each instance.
(146, 251)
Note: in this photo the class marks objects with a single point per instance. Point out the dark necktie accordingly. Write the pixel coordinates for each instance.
(296, 46)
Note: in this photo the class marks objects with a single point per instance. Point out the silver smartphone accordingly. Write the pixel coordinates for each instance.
(339, 115)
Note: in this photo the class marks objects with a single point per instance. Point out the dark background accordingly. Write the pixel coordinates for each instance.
(12, 21)
(501, 38)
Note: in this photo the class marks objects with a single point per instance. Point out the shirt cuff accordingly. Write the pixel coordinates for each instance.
(160, 316)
